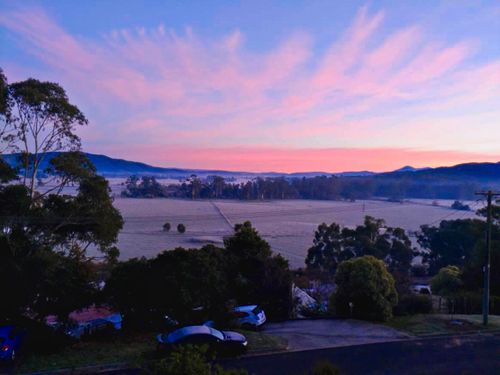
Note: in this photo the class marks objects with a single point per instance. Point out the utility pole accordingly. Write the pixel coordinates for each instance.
(486, 268)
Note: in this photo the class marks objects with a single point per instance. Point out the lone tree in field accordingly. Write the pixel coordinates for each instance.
(181, 228)
(42, 120)
(365, 290)
(166, 226)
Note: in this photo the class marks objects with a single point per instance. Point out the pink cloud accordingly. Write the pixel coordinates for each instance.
(163, 86)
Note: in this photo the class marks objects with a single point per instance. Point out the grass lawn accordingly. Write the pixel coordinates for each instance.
(130, 348)
(434, 324)
(124, 348)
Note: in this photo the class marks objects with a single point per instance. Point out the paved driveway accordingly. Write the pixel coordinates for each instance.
(328, 333)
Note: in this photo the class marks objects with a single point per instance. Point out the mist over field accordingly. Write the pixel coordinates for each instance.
(288, 225)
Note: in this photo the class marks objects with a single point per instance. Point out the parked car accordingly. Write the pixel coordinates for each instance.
(10, 342)
(248, 317)
(87, 322)
(223, 343)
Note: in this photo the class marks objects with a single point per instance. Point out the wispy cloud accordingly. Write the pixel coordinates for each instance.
(161, 87)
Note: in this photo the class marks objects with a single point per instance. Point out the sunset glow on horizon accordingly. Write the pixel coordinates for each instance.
(270, 86)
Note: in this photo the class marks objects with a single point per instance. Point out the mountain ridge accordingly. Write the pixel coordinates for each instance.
(116, 167)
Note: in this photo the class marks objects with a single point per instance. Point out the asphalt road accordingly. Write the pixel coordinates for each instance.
(473, 354)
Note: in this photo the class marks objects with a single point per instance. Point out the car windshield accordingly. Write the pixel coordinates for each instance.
(177, 335)
(217, 334)
(182, 333)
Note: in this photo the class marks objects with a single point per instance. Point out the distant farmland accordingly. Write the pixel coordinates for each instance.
(288, 225)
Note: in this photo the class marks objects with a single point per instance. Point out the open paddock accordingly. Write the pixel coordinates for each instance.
(288, 225)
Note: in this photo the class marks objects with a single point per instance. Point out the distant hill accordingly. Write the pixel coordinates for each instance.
(409, 168)
(111, 167)
(468, 172)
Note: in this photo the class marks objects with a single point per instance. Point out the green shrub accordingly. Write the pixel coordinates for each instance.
(414, 304)
(447, 282)
(365, 290)
(189, 360)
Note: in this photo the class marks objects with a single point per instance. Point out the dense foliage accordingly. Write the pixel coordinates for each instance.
(333, 244)
(144, 187)
(410, 304)
(455, 252)
(189, 360)
(43, 246)
(453, 242)
(365, 290)
(447, 282)
(178, 281)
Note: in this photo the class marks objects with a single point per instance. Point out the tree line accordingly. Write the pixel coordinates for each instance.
(194, 284)
(318, 187)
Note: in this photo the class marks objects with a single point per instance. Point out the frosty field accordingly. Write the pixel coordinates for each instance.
(288, 225)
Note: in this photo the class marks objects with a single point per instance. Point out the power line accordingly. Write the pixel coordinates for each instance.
(454, 212)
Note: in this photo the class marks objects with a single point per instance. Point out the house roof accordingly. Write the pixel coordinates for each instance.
(85, 315)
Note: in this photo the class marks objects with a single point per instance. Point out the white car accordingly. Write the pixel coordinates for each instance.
(248, 317)
(421, 289)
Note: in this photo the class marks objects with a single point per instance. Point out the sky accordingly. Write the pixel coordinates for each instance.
(282, 86)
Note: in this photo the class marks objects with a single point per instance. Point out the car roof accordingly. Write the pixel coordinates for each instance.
(192, 330)
(245, 308)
